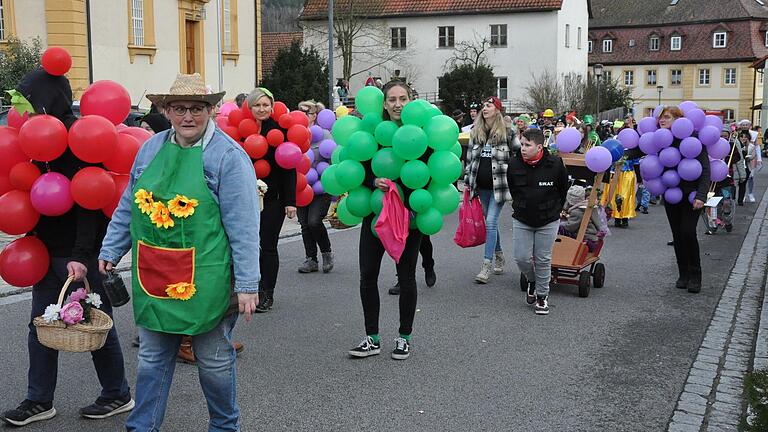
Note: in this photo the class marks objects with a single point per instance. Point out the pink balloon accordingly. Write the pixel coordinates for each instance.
(50, 194)
(288, 155)
(222, 121)
(15, 120)
(227, 108)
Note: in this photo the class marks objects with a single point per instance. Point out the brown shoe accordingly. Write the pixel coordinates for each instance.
(238, 347)
(186, 354)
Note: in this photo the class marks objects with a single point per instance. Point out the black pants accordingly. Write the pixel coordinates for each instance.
(272, 218)
(427, 261)
(370, 253)
(683, 220)
(742, 192)
(313, 230)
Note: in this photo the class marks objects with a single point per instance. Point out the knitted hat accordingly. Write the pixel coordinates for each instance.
(575, 195)
(187, 88)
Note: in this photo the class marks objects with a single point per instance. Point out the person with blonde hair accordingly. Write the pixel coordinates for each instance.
(311, 108)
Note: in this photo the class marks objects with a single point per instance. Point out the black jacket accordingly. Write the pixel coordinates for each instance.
(538, 191)
(281, 182)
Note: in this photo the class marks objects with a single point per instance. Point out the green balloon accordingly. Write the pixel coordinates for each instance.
(384, 132)
(373, 226)
(444, 167)
(345, 216)
(430, 221)
(350, 174)
(359, 201)
(377, 203)
(371, 121)
(420, 200)
(445, 197)
(329, 181)
(369, 100)
(361, 146)
(442, 132)
(416, 113)
(414, 174)
(409, 142)
(344, 128)
(336, 155)
(456, 149)
(434, 111)
(386, 164)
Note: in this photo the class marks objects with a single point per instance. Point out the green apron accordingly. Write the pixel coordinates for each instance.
(190, 257)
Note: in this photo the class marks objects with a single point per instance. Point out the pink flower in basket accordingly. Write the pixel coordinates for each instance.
(78, 295)
(71, 313)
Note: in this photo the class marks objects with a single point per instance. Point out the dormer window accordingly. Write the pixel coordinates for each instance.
(653, 43)
(675, 43)
(719, 39)
(607, 45)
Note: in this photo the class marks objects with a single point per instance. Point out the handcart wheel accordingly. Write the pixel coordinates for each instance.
(584, 283)
(523, 282)
(598, 275)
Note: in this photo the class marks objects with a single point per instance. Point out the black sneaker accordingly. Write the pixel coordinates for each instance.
(395, 290)
(29, 412)
(542, 306)
(430, 277)
(265, 304)
(681, 283)
(530, 294)
(366, 348)
(402, 349)
(104, 407)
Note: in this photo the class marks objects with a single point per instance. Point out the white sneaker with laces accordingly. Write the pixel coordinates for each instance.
(499, 262)
(485, 272)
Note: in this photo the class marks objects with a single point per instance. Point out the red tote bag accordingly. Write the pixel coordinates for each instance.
(471, 230)
(392, 224)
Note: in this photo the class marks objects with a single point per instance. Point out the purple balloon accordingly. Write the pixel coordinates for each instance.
(719, 150)
(682, 128)
(657, 111)
(311, 155)
(709, 135)
(713, 120)
(654, 186)
(670, 178)
(648, 124)
(697, 117)
(321, 167)
(687, 106)
(50, 194)
(317, 133)
(689, 169)
(718, 170)
(568, 140)
(673, 195)
(628, 137)
(598, 159)
(312, 176)
(690, 147)
(318, 188)
(326, 118)
(691, 196)
(327, 147)
(647, 145)
(670, 157)
(651, 167)
(662, 138)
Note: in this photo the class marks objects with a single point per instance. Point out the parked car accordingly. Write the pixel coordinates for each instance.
(134, 117)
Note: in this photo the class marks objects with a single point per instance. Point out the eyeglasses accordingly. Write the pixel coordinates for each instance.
(195, 110)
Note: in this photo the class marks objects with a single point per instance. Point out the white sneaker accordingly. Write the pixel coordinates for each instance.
(499, 262)
(485, 272)
(750, 198)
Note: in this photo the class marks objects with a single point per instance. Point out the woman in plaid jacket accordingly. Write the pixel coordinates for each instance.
(485, 175)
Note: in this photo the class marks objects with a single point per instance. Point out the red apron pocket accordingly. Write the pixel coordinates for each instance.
(159, 267)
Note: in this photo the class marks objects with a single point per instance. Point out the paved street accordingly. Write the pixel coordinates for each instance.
(618, 360)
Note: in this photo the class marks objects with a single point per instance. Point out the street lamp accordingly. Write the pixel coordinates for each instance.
(597, 70)
(660, 89)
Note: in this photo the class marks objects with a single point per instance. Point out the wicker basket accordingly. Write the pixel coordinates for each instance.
(80, 337)
(336, 223)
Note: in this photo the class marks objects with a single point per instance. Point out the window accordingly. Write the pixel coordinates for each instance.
(675, 43)
(632, 42)
(729, 76)
(607, 45)
(629, 78)
(653, 43)
(703, 77)
(141, 29)
(501, 88)
(498, 35)
(650, 77)
(227, 27)
(589, 44)
(445, 37)
(649, 112)
(2, 21)
(567, 35)
(719, 40)
(398, 37)
(137, 17)
(766, 38)
(607, 76)
(578, 38)
(728, 115)
(675, 77)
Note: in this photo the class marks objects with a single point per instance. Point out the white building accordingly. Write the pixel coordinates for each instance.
(526, 38)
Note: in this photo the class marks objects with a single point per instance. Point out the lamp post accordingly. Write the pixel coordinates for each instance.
(330, 54)
(597, 70)
(660, 89)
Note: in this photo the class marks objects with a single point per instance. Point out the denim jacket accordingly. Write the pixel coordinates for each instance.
(230, 176)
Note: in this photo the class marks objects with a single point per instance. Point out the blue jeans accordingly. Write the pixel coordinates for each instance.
(215, 367)
(491, 210)
(643, 197)
(533, 252)
(43, 361)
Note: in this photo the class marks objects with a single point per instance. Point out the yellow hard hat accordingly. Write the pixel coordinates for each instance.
(548, 113)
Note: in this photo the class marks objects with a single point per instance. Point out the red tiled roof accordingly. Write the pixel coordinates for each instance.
(612, 13)
(271, 43)
(745, 42)
(318, 9)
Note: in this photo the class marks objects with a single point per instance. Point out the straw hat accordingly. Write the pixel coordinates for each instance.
(187, 88)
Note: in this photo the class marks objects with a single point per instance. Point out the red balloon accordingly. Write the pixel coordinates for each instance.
(262, 168)
(248, 127)
(299, 118)
(301, 182)
(285, 121)
(121, 127)
(43, 138)
(24, 262)
(92, 188)
(256, 146)
(247, 114)
(275, 137)
(278, 110)
(121, 182)
(305, 196)
(304, 146)
(141, 134)
(232, 132)
(22, 175)
(93, 139)
(222, 121)
(235, 117)
(304, 165)
(10, 150)
(56, 61)
(17, 216)
(16, 120)
(107, 99)
(124, 154)
(5, 185)
(298, 133)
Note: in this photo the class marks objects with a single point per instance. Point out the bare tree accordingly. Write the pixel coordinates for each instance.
(543, 91)
(573, 87)
(471, 52)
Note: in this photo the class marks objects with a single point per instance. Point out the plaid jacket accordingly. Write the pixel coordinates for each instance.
(499, 159)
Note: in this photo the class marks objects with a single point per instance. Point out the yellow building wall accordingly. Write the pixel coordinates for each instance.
(66, 27)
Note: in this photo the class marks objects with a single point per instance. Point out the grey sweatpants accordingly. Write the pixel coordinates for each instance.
(533, 252)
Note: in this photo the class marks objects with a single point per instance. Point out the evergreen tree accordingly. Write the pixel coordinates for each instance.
(466, 83)
(19, 59)
(298, 74)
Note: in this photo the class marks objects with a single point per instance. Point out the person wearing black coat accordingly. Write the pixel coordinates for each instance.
(538, 182)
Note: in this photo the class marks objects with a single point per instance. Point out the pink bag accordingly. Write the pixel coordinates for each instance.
(471, 230)
(392, 225)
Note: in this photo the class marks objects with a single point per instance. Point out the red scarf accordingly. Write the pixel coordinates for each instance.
(534, 160)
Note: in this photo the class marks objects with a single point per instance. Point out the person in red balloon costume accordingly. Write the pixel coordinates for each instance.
(280, 199)
(73, 241)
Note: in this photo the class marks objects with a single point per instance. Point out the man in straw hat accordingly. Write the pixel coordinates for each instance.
(190, 215)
